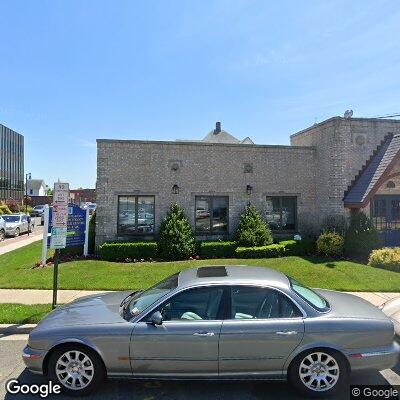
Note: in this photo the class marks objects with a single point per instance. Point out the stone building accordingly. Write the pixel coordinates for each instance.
(330, 168)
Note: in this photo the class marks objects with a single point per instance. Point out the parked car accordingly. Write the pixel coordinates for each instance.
(214, 322)
(37, 211)
(17, 224)
(392, 309)
(2, 229)
(90, 206)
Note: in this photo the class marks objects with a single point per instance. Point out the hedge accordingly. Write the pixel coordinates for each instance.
(123, 251)
(217, 249)
(270, 251)
(304, 247)
(387, 258)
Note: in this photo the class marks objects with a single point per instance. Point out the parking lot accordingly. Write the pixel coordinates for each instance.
(12, 367)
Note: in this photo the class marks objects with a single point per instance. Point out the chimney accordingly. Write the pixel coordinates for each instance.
(217, 128)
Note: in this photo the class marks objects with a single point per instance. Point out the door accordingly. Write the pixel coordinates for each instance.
(186, 343)
(385, 214)
(263, 329)
(24, 224)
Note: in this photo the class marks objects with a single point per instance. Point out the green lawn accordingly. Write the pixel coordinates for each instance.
(16, 271)
(22, 313)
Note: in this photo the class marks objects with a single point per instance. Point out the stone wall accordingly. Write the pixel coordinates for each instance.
(140, 167)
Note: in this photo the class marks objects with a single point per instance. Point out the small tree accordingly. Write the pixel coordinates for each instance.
(361, 236)
(176, 240)
(252, 229)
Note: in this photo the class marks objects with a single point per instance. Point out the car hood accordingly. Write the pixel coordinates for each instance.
(100, 308)
(345, 305)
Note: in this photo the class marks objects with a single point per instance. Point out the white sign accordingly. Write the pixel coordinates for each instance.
(61, 193)
(58, 238)
(60, 216)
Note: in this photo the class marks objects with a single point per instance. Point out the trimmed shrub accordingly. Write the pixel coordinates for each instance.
(335, 223)
(387, 258)
(252, 229)
(217, 249)
(271, 251)
(123, 251)
(361, 236)
(176, 240)
(304, 247)
(330, 244)
(4, 209)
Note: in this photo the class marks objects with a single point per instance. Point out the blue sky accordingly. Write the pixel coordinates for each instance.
(73, 71)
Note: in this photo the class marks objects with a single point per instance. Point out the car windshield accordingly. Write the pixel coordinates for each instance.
(141, 300)
(11, 218)
(38, 207)
(310, 296)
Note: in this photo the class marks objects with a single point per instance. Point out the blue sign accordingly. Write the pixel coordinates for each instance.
(76, 226)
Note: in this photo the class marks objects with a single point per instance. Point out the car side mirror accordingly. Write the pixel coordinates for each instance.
(156, 318)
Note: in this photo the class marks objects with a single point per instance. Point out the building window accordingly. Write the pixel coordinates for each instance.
(212, 214)
(281, 212)
(390, 185)
(135, 215)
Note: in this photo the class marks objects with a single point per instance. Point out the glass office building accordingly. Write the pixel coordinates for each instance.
(11, 165)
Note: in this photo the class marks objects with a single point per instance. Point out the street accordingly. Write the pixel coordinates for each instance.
(11, 366)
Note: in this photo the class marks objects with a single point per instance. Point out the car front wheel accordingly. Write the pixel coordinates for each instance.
(77, 369)
(16, 234)
(318, 373)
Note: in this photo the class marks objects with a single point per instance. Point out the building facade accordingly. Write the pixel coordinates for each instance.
(36, 187)
(11, 165)
(296, 187)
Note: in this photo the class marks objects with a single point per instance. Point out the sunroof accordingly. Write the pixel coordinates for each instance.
(206, 272)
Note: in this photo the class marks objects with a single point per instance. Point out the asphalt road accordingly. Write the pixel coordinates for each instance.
(11, 366)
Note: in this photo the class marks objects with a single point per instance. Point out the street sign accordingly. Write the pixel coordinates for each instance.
(60, 193)
(58, 238)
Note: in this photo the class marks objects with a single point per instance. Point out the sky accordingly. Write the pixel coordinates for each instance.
(77, 70)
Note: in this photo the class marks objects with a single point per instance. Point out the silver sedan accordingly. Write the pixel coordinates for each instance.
(218, 322)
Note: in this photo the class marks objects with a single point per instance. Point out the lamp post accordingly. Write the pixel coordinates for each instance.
(175, 189)
(27, 176)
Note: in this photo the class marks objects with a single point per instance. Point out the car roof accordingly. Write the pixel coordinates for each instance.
(233, 274)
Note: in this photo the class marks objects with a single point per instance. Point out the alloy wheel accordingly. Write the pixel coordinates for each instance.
(74, 370)
(319, 371)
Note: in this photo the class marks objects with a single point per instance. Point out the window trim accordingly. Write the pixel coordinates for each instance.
(210, 206)
(139, 234)
(280, 197)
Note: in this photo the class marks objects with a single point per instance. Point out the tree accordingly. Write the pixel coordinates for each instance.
(175, 237)
(252, 229)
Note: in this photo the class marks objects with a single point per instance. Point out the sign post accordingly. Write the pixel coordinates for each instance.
(58, 239)
(45, 233)
(86, 244)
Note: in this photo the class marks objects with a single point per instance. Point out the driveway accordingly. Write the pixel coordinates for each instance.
(11, 366)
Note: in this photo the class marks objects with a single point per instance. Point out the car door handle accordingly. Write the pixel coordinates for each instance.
(286, 333)
(203, 334)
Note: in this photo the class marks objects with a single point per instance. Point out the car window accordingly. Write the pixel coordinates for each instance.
(261, 303)
(24, 218)
(11, 218)
(193, 305)
(309, 295)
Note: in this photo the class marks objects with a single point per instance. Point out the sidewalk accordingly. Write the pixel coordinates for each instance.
(15, 243)
(32, 296)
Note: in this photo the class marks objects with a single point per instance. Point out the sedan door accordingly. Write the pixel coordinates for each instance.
(186, 343)
(23, 224)
(262, 330)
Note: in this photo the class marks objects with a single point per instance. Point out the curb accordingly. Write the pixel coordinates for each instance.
(15, 329)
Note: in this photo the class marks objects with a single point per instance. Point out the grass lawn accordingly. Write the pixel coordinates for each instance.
(22, 313)
(16, 272)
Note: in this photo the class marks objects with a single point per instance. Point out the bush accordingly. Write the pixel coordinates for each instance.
(92, 233)
(330, 244)
(388, 258)
(217, 249)
(271, 251)
(4, 209)
(304, 247)
(176, 240)
(252, 229)
(132, 251)
(335, 223)
(361, 236)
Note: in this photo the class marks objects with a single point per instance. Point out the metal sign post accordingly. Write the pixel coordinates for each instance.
(86, 244)
(45, 234)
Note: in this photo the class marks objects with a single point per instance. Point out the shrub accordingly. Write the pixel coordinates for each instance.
(271, 251)
(361, 236)
(388, 258)
(304, 247)
(92, 233)
(176, 240)
(217, 249)
(330, 244)
(4, 209)
(252, 229)
(123, 251)
(335, 223)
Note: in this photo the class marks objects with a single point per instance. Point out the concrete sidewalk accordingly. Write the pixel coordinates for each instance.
(32, 296)
(11, 244)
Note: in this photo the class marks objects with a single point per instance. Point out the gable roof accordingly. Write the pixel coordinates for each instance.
(35, 184)
(374, 173)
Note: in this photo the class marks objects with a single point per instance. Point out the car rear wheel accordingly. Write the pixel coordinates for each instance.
(16, 233)
(2, 235)
(318, 373)
(77, 369)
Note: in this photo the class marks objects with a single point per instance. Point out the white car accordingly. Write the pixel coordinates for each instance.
(17, 224)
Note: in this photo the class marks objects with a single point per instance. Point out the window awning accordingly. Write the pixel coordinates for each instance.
(374, 173)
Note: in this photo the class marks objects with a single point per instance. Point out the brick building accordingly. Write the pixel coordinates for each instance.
(330, 168)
